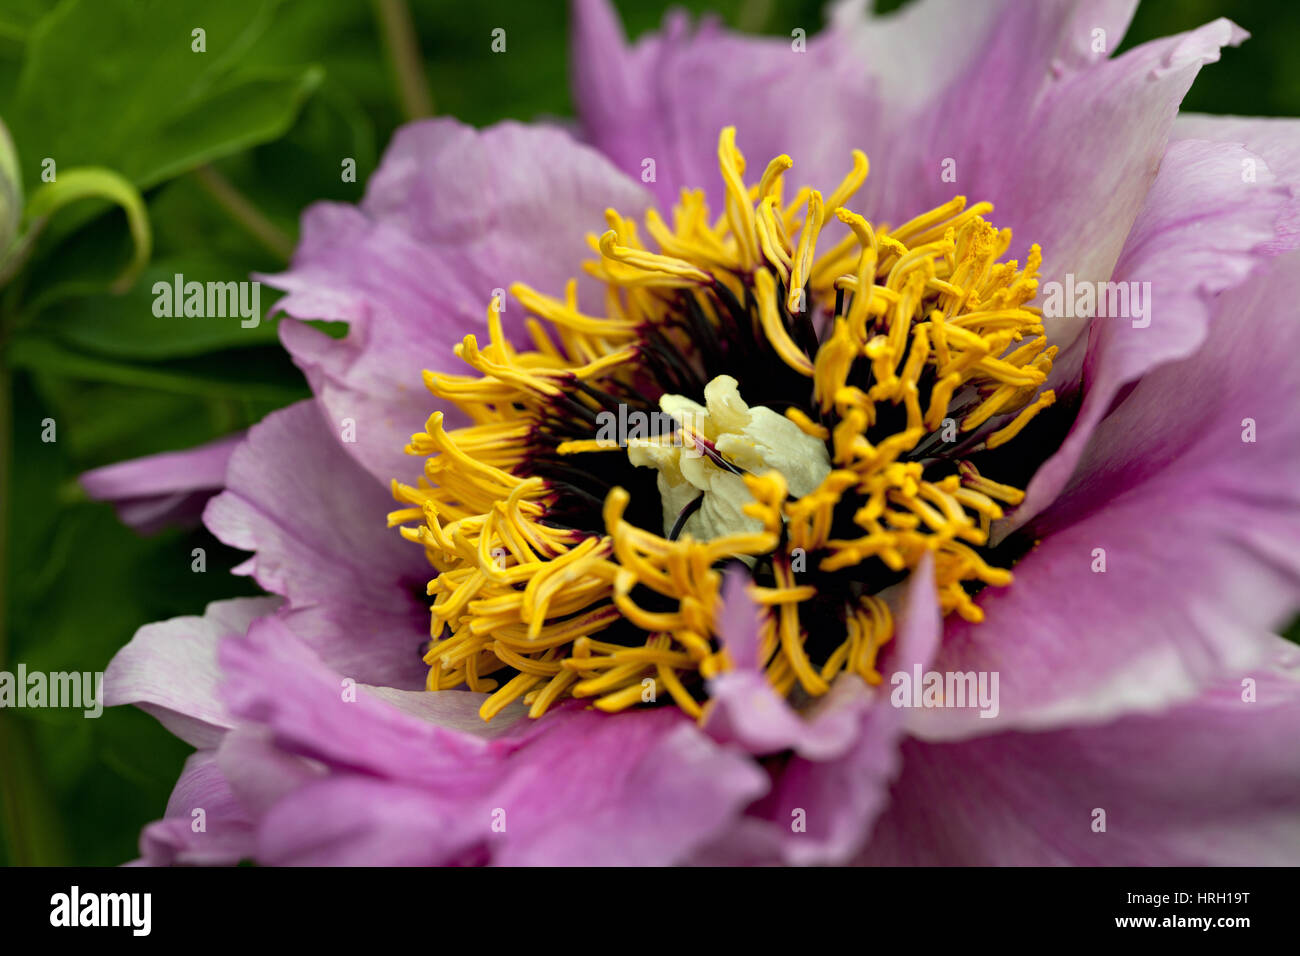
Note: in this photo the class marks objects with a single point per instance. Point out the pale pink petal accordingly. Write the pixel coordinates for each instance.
(1202, 230)
(1212, 782)
(169, 669)
(1275, 139)
(316, 523)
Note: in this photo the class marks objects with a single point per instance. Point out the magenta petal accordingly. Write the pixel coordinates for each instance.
(157, 490)
(932, 59)
(1118, 118)
(361, 821)
(842, 797)
(893, 87)
(272, 678)
(451, 215)
(258, 773)
(1201, 231)
(1009, 50)
(169, 669)
(1215, 781)
(316, 522)
(193, 469)
(745, 710)
(644, 788)
(577, 786)
(1187, 421)
(585, 790)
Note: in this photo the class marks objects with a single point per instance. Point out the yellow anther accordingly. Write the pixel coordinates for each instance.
(1004, 435)
(852, 182)
(649, 261)
(770, 184)
(770, 317)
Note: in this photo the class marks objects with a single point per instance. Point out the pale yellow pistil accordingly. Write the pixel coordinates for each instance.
(752, 440)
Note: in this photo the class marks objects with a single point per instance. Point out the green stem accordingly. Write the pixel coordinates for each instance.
(272, 238)
(10, 757)
(6, 477)
(6, 454)
(30, 834)
(33, 833)
(404, 53)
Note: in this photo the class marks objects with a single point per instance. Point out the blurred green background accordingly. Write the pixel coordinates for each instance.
(226, 150)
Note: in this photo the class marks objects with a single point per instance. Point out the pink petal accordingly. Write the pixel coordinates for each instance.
(1065, 143)
(1275, 139)
(668, 97)
(826, 795)
(901, 87)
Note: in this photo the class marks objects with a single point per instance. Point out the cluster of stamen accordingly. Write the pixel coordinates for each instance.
(906, 351)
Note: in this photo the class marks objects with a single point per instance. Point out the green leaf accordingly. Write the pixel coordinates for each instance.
(125, 326)
(305, 165)
(117, 83)
(19, 16)
(117, 422)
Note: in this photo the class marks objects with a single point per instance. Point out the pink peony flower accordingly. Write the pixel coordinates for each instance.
(907, 466)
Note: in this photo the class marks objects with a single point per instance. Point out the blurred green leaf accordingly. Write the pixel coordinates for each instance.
(305, 165)
(125, 326)
(117, 422)
(19, 16)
